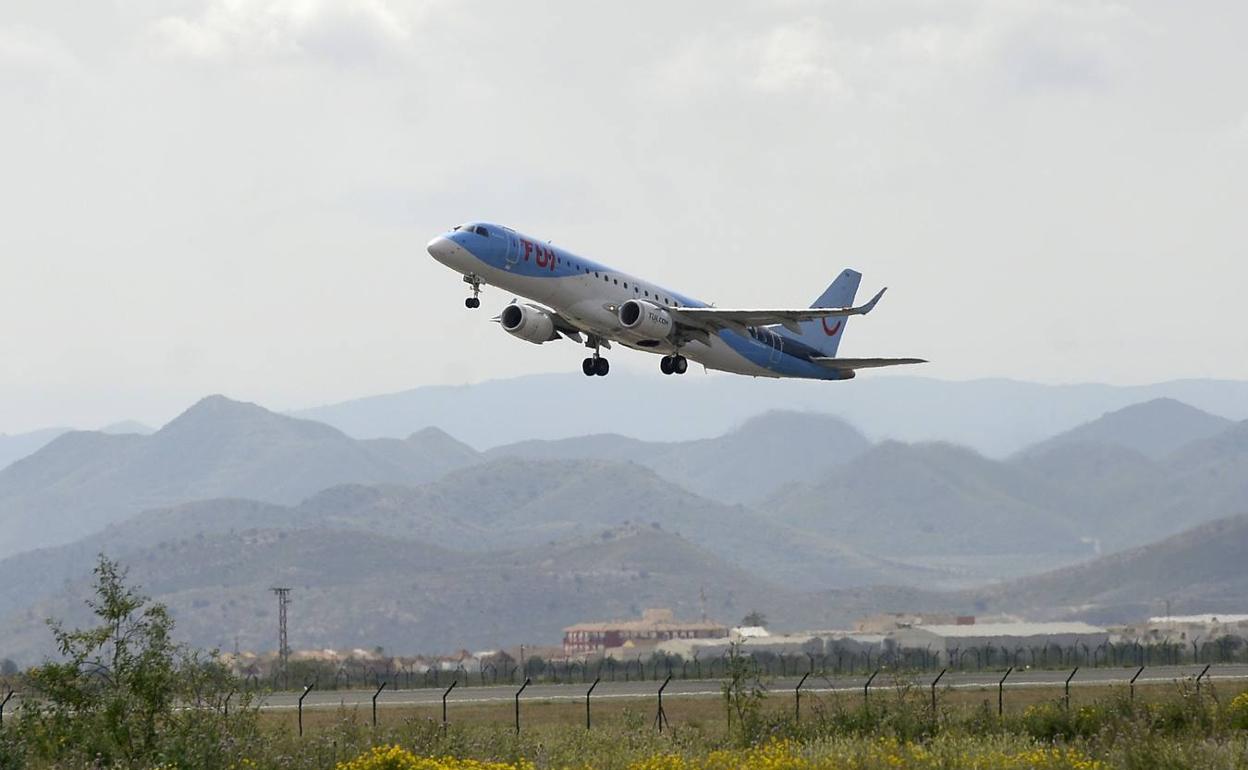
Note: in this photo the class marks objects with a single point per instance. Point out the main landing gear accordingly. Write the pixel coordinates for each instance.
(676, 364)
(595, 365)
(475, 282)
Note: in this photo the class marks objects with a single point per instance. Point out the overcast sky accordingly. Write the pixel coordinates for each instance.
(234, 195)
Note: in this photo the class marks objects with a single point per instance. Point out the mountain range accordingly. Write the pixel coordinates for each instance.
(995, 417)
(798, 513)
(83, 480)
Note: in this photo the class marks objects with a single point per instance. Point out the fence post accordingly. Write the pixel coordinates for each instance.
(379, 689)
(8, 696)
(866, 687)
(797, 698)
(934, 683)
(526, 684)
(307, 688)
(1001, 693)
(1137, 676)
(444, 694)
(660, 717)
(1072, 676)
(1200, 676)
(588, 693)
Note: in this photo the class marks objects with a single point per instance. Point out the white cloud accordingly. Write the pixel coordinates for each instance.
(796, 57)
(1022, 45)
(342, 31)
(32, 50)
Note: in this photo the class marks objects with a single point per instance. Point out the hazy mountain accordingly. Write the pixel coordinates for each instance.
(358, 589)
(994, 417)
(509, 502)
(746, 465)
(128, 426)
(1201, 570)
(932, 500)
(82, 481)
(13, 448)
(1154, 429)
(1124, 499)
(1202, 481)
(495, 506)
(32, 575)
(21, 445)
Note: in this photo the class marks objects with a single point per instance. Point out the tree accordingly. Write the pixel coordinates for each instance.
(8, 668)
(112, 697)
(755, 618)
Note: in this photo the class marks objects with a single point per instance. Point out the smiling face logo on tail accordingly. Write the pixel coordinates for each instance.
(833, 329)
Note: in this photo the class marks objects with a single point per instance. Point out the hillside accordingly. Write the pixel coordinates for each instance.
(496, 506)
(1153, 429)
(1200, 570)
(745, 465)
(82, 481)
(15, 447)
(357, 589)
(932, 500)
(995, 417)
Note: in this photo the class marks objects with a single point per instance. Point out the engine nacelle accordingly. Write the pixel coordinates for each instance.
(528, 323)
(646, 320)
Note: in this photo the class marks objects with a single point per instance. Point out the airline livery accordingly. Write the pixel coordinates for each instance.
(587, 302)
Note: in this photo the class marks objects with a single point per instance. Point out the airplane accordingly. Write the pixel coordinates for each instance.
(575, 298)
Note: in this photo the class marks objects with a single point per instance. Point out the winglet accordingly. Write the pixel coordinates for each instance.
(867, 308)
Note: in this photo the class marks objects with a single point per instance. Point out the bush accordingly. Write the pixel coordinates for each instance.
(1237, 712)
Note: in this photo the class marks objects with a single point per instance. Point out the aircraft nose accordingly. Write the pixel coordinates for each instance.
(441, 248)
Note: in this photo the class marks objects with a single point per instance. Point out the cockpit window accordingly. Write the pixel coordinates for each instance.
(479, 230)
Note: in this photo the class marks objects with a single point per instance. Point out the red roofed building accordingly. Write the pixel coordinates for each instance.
(654, 626)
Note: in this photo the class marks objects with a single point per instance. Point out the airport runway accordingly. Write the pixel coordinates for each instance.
(705, 688)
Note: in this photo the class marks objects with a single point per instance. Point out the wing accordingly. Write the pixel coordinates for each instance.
(864, 363)
(713, 319)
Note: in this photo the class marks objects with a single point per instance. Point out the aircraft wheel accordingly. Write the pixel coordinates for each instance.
(589, 367)
(665, 365)
(472, 302)
(601, 367)
(680, 364)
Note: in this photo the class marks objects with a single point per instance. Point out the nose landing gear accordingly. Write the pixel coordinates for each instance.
(476, 283)
(676, 364)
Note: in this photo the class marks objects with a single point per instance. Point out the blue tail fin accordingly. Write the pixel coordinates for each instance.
(825, 335)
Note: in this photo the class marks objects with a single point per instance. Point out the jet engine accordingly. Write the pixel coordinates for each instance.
(646, 319)
(528, 323)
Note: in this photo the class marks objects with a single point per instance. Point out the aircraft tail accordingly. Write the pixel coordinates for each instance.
(825, 335)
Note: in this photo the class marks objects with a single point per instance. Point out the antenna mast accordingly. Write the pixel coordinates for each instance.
(283, 643)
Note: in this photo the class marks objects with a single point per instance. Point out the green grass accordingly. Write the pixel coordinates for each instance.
(1165, 727)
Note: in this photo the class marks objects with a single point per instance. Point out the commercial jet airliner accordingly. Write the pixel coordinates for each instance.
(574, 298)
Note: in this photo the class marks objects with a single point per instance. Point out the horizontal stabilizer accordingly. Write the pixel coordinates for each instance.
(864, 363)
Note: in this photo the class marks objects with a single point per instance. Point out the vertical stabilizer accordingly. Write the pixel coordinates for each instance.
(825, 335)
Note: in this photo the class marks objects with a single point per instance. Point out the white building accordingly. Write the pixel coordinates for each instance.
(945, 639)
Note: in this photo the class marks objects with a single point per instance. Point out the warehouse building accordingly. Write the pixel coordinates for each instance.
(943, 640)
(654, 627)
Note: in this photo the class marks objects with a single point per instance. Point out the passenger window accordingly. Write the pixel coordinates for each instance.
(626, 284)
(617, 281)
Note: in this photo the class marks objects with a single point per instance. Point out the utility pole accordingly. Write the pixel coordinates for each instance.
(283, 644)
